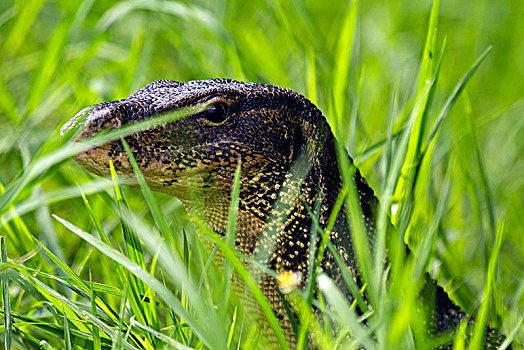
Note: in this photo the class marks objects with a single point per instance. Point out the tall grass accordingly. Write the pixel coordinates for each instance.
(431, 116)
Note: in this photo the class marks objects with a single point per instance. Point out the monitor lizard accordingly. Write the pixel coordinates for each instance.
(288, 166)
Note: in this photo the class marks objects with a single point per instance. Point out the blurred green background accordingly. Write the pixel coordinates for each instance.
(57, 57)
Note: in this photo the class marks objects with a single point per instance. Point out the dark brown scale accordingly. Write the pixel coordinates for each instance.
(287, 152)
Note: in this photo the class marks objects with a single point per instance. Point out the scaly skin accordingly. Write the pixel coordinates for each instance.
(288, 161)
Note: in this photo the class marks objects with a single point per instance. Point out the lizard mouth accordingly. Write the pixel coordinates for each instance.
(168, 171)
(151, 161)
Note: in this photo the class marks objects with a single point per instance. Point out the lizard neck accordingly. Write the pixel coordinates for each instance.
(274, 221)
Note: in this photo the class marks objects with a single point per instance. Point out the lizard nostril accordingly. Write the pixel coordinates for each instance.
(111, 123)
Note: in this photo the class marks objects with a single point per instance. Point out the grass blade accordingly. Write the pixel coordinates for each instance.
(343, 59)
(96, 333)
(383, 220)
(6, 298)
(67, 333)
(172, 343)
(455, 95)
(24, 20)
(427, 78)
(8, 104)
(232, 329)
(428, 55)
(250, 282)
(74, 277)
(231, 234)
(39, 166)
(136, 287)
(477, 342)
(152, 282)
(152, 204)
(134, 248)
(344, 315)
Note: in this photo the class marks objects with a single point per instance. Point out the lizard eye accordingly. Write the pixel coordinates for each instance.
(217, 113)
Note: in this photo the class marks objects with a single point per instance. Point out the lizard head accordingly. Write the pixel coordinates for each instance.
(282, 141)
(262, 126)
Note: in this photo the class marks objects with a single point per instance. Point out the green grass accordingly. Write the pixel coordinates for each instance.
(428, 97)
